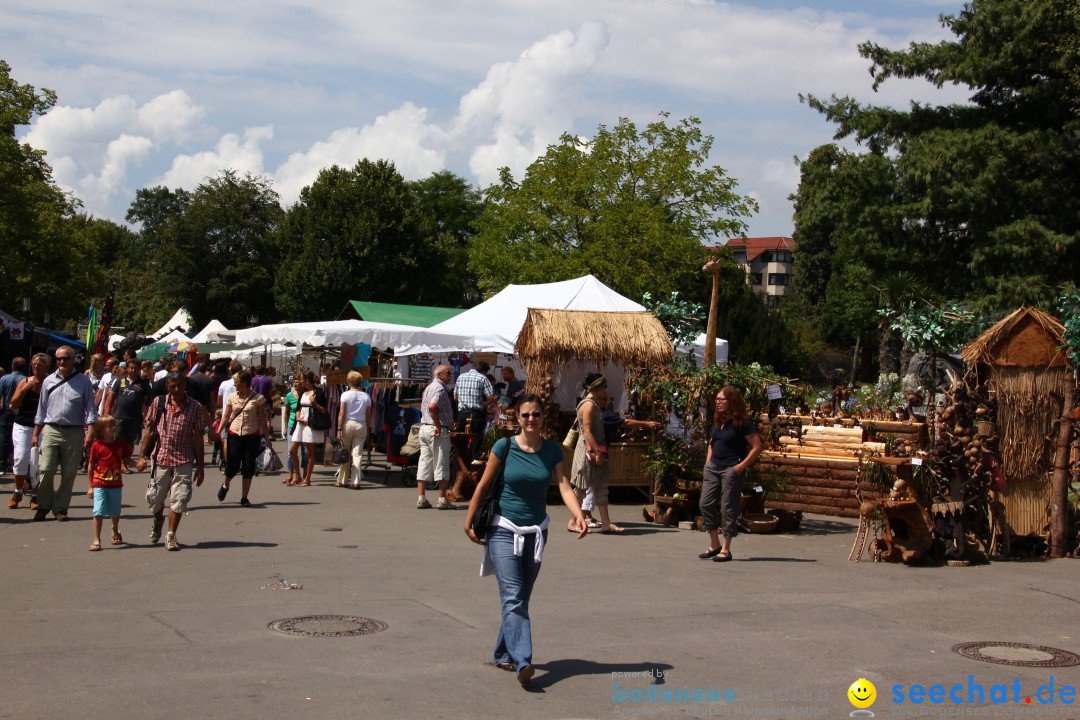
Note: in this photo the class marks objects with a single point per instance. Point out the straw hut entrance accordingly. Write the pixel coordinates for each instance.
(1021, 360)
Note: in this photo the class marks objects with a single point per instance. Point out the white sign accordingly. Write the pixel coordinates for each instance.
(774, 392)
(916, 461)
(16, 331)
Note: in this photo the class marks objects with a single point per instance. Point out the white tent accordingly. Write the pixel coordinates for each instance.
(405, 338)
(174, 336)
(495, 323)
(212, 333)
(179, 321)
(698, 349)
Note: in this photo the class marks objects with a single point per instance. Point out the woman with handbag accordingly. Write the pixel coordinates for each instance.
(246, 418)
(516, 479)
(590, 473)
(311, 422)
(354, 419)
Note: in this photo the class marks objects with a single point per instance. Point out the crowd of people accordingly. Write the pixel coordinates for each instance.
(94, 419)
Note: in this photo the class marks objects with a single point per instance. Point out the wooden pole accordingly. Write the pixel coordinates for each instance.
(1059, 492)
(713, 268)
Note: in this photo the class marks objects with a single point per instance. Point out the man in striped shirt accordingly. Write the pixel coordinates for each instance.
(179, 421)
(474, 393)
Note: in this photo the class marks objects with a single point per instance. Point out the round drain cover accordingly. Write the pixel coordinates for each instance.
(328, 626)
(1021, 654)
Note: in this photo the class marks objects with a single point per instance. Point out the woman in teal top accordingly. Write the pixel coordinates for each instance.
(515, 542)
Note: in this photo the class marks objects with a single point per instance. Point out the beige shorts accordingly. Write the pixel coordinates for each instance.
(171, 485)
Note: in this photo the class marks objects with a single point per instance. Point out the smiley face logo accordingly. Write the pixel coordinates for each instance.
(862, 693)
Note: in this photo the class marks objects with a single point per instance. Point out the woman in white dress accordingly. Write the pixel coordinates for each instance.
(311, 402)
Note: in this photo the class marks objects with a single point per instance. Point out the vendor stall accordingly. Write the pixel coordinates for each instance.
(552, 338)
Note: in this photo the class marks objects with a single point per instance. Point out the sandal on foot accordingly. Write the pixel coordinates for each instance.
(303, 484)
(117, 538)
(94, 547)
(709, 554)
(506, 666)
(610, 530)
(722, 557)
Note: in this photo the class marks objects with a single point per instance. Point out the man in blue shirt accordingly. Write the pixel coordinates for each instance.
(66, 409)
(8, 383)
(474, 393)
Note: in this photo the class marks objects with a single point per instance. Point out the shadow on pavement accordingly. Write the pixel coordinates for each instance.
(213, 544)
(825, 527)
(776, 559)
(556, 670)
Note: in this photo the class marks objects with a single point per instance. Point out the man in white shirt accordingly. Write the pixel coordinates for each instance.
(111, 375)
(228, 385)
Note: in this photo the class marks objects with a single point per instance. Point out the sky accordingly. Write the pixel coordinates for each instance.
(172, 93)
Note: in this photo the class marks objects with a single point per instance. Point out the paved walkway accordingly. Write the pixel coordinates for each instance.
(137, 632)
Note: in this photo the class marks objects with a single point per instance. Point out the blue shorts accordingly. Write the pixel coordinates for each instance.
(107, 502)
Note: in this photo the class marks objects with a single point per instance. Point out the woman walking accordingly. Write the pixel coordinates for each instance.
(24, 403)
(354, 419)
(515, 541)
(247, 418)
(591, 473)
(311, 401)
(733, 446)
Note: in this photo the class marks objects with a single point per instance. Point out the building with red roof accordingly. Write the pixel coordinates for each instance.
(768, 263)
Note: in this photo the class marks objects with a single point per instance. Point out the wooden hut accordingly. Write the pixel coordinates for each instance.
(1021, 360)
(550, 337)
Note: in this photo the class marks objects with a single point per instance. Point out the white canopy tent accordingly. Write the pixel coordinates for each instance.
(698, 349)
(180, 320)
(174, 336)
(405, 339)
(213, 333)
(495, 323)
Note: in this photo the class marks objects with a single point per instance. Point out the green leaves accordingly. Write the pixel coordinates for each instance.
(629, 206)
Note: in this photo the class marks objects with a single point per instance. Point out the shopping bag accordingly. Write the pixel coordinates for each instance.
(268, 460)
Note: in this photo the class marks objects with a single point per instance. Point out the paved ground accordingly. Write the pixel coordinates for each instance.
(137, 632)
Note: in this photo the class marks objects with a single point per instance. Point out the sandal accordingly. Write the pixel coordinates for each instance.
(117, 538)
(305, 483)
(506, 666)
(95, 546)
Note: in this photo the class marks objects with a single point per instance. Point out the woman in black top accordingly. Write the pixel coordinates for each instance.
(733, 446)
(24, 404)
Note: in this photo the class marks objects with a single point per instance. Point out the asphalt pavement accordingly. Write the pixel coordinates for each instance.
(783, 630)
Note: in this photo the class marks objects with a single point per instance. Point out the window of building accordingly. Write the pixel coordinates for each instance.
(781, 256)
(740, 256)
(753, 278)
(779, 279)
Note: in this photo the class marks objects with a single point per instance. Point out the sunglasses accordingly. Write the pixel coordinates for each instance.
(526, 416)
(61, 358)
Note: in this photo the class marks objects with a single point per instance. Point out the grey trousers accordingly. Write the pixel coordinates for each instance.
(721, 486)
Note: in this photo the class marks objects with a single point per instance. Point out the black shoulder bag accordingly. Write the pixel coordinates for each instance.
(489, 506)
(318, 420)
(152, 441)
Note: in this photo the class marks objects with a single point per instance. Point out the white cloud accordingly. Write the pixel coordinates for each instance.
(232, 152)
(400, 135)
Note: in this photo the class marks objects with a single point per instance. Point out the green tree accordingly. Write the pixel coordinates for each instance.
(447, 208)
(630, 206)
(353, 233)
(212, 250)
(985, 189)
(55, 253)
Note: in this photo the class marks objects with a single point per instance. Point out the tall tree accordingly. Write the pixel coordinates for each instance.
(630, 206)
(50, 257)
(353, 234)
(447, 208)
(986, 189)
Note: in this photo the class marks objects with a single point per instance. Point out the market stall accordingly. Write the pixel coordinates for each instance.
(550, 339)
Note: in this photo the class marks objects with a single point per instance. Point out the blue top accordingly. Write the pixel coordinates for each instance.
(8, 383)
(729, 445)
(472, 389)
(72, 403)
(527, 478)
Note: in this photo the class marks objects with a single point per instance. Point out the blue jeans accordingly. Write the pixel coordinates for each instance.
(303, 456)
(516, 576)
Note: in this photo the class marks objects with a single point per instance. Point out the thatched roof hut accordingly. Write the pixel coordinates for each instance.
(561, 336)
(1021, 360)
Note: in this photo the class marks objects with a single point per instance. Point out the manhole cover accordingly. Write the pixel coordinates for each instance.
(328, 626)
(1022, 654)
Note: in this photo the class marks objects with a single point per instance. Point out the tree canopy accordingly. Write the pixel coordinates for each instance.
(630, 206)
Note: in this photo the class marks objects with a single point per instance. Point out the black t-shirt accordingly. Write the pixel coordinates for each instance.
(199, 387)
(729, 445)
(130, 397)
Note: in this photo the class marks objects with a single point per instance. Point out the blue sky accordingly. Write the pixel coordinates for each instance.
(153, 93)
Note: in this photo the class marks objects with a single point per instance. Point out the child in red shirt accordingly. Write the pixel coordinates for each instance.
(108, 457)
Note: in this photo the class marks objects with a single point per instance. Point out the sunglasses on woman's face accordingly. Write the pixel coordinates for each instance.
(527, 416)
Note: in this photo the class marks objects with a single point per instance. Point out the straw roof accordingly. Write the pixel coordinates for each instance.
(628, 338)
(1026, 338)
